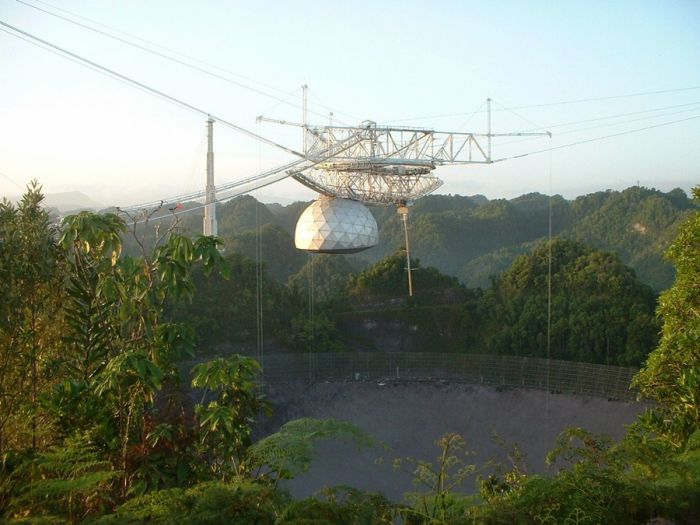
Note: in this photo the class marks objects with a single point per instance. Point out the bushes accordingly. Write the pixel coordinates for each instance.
(211, 503)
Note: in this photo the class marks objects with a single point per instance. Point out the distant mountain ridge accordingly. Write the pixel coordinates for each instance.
(472, 237)
(68, 201)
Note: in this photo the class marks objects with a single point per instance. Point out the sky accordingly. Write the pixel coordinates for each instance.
(423, 64)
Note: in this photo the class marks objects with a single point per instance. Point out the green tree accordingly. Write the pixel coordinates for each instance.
(638, 224)
(327, 274)
(224, 309)
(340, 506)
(71, 479)
(599, 481)
(210, 503)
(289, 452)
(274, 246)
(439, 501)
(118, 349)
(388, 279)
(225, 422)
(243, 214)
(654, 472)
(600, 311)
(30, 295)
(671, 375)
(314, 334)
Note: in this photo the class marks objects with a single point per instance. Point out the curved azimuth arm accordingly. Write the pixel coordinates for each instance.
(385, 164)
(252, 183)
(368, 163)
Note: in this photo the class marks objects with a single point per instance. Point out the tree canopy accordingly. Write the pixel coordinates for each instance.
(671, 375)
(600, 311)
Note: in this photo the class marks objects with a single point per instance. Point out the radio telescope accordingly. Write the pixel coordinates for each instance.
(350, 167)
(373, 165)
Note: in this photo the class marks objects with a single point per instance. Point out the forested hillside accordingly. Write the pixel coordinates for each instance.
(474, 243)
(601, 312)
(473, 238)
(99, 424)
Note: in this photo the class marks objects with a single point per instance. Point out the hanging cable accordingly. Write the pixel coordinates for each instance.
(259, 278)
(70, 59)
(290, 94)
(628, 132)
(471, 116)
(559, 103)
(258, 283)
(175, 213)
(312, 292)
(246, 185)
(153, 91)
(312, 342)
(549, 282)
(609, 124)
(160, 46)
(320, 103)
(403, 213)
(607, 117)
(513, 112)
(171, 58)
(8, 178)
(256, 181)
(235, 188)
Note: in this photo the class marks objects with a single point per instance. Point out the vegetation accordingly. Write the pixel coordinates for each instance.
(89, 357)
(272, 245)
(471, 238)
(671, 376)
(600, 312)
(224, 309)
(630, 482)
(30, 287)
(328, 275)
(97, 425)
(382, 281)
(474, 239)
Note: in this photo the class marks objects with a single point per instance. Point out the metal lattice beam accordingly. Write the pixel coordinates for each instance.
(385, 165)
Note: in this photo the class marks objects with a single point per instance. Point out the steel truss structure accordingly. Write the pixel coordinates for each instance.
(385, 165)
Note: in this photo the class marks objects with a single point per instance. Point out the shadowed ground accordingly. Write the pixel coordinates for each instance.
(409, 416)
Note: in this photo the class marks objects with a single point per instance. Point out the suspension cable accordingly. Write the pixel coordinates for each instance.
(549, 283)
(595, 139)
(259, 278)
(152, 91)
(168, 57)
(560, 103)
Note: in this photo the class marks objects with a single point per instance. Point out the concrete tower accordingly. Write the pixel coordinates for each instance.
(210, 227)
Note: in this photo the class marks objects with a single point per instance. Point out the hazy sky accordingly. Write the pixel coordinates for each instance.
(405, 61)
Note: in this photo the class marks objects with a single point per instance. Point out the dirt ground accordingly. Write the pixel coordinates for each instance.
(409, 417)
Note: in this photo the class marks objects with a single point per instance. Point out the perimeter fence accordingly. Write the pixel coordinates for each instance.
(500, 371)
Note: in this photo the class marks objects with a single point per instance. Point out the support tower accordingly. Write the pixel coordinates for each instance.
(210, 227)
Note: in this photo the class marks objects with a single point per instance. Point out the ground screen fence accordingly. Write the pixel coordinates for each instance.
(504, 371)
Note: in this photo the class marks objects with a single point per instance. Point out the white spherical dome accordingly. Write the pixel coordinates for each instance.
(331, 225)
